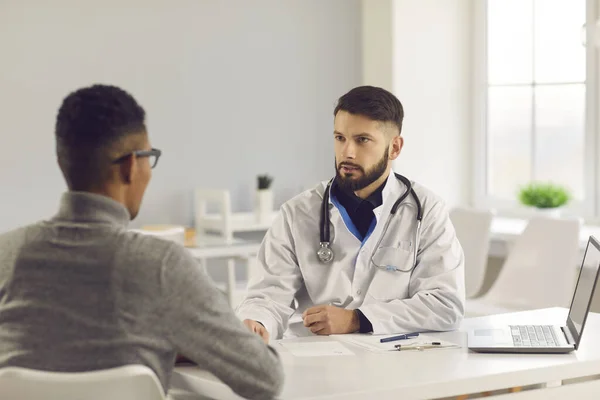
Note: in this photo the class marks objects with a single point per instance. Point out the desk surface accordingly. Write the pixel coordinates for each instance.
(239, 222)
(214, 246)
(503, 230)
(427, 374)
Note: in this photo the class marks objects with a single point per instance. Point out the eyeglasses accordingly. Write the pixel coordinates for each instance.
(153, 156)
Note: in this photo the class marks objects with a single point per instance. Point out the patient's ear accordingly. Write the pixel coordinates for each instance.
(128, 169)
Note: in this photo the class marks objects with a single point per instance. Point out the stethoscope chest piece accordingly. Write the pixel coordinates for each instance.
(325, 254)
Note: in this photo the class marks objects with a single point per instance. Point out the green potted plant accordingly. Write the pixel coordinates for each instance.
(547, 198)
(264, 198)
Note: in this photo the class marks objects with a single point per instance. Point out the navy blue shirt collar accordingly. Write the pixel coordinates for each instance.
(351, 201)
(360, 211)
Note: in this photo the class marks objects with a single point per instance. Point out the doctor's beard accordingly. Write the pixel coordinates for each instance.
(352, 184)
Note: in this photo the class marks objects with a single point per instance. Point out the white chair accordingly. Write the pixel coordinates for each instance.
(222, 220)
(218, 221)
(539, 271)
(121, 383)
(213, 214)
(473, 232)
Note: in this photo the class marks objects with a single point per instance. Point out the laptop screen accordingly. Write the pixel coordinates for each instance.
(584, 290)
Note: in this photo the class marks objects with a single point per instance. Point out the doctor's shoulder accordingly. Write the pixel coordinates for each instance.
(430, 201)
(306, 202)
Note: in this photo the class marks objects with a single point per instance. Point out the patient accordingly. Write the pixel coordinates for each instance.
(79, 292)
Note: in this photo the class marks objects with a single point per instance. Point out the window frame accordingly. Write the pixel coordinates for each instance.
(589, 208)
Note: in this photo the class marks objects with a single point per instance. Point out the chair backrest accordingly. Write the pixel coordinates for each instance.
(221, 199)
(473, 232)
(540, 269)
(121, 383)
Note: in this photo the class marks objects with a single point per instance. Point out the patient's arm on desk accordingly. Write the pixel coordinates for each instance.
(202, 326)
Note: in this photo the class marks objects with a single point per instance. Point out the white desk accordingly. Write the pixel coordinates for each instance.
(429, 374)
(213, 246)
(504, 231)
(239, 222)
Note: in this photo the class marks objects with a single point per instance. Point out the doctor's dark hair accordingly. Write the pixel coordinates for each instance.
(374, 103)
(91, 126)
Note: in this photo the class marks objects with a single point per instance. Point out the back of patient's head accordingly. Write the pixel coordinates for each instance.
(94, 126)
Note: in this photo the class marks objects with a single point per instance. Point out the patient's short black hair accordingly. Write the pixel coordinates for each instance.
(91, 126)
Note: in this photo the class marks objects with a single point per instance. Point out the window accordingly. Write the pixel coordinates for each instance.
(533, 99)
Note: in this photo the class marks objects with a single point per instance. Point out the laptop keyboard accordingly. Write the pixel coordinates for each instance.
(533, 336)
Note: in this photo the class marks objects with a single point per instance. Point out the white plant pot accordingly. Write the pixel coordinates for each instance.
(264, 204)
(555, 212)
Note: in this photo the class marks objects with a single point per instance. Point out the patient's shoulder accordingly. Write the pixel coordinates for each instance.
(16, 238)
(147, 248)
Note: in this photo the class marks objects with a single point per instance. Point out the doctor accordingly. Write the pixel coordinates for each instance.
(368, 251)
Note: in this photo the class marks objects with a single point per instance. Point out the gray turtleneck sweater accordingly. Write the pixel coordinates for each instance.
(80, 292)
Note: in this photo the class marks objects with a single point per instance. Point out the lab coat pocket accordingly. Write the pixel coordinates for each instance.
(388, 283)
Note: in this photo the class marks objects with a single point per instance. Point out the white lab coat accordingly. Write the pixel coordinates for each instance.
(291, 278)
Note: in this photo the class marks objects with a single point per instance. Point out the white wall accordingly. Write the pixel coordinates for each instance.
(432, 78)
(429, 42)
(378, 43)
(232, 89)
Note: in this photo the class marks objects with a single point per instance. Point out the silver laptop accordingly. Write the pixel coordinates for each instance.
(546, 338)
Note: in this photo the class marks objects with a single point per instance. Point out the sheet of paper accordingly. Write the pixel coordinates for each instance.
(372, 342)
(316, 349)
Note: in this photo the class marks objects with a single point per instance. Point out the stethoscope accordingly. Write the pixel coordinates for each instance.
(325, 253)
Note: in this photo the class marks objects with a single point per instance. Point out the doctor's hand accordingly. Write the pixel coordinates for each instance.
(258, 328)
(327, 320)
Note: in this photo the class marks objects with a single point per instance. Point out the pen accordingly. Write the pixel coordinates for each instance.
(399, 337)
(421, 346)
